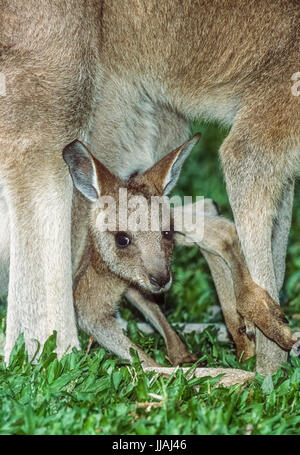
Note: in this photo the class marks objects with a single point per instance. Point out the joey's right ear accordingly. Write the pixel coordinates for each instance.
(164, 174)
(82, 168)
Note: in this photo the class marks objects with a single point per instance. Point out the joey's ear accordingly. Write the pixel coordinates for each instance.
(82, 168)
(164, 174)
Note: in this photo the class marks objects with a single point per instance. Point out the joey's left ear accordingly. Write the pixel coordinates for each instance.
(164, 174)
(89, 175)
(82, 168)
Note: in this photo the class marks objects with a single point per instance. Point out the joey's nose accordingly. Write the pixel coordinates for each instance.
(160, 281)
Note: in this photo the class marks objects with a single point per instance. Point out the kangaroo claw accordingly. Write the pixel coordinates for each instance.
(257, 306)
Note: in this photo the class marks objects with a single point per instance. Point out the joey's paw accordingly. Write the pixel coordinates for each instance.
(278, 327)
(258, 307)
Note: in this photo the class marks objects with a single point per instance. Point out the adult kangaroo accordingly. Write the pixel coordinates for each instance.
(128, 75)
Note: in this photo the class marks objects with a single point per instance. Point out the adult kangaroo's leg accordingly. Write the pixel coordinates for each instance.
(48, 102)
(40, 285)
(259, 157)
(281, 229)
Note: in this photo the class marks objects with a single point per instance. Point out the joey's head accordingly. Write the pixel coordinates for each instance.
(127, 224)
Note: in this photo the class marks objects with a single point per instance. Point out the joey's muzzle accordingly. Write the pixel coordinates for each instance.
(160, 282)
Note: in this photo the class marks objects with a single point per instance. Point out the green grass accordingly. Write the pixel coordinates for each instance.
(100, 394)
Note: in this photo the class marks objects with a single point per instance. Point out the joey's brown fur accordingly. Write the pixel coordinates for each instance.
(107, 270)
(127, 75)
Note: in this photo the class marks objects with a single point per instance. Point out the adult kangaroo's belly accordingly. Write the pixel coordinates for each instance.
(202, 57)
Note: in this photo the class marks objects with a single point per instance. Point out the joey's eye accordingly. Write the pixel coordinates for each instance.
(122, 239)
(168, 235)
